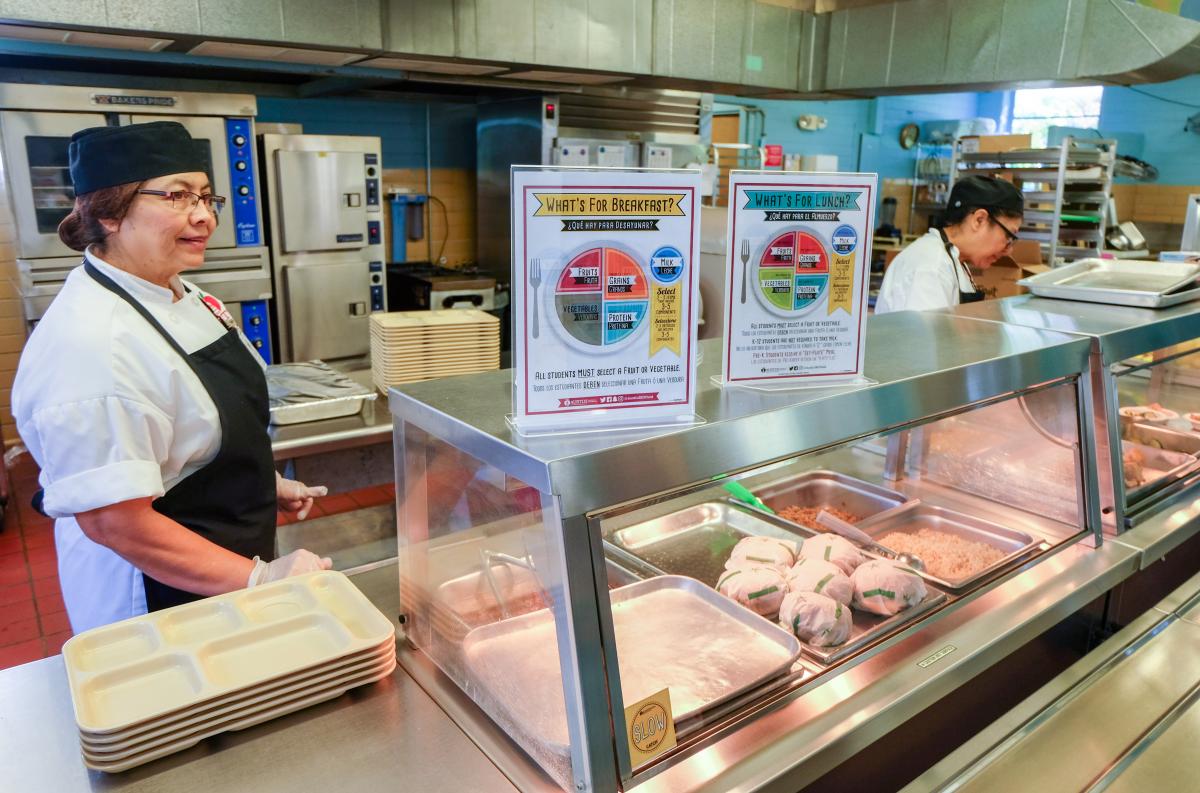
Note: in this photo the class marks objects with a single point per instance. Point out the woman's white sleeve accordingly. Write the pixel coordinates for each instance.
(98, 452)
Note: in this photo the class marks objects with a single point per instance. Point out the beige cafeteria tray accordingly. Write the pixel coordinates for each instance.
(144, 668)
(178, 721)
(115, 764)
(109, 753)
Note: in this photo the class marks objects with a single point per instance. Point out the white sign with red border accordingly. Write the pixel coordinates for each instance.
(604, 294)
(798, 268)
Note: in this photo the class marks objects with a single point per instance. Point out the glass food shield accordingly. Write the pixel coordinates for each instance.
(1158, 415)
(483, 594)
(605, 298)
(714, 615)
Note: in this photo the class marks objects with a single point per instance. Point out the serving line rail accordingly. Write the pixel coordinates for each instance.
(1127, 716)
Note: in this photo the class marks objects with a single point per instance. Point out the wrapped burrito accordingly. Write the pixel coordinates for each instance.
(760, 589)
(759, 551)
(815, 619)
(821, 577)
(886, 588)
(834, 549)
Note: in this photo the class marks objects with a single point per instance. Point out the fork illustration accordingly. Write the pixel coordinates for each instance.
(745, 266)
(535, 280)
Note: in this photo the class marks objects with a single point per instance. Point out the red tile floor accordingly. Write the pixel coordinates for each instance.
(33, 619)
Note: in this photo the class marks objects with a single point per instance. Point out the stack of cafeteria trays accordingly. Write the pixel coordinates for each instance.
(149, 686)
(409, 346)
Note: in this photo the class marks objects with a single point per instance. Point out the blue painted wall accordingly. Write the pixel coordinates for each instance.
(400, 125)
(1152, 129)
(850, 119)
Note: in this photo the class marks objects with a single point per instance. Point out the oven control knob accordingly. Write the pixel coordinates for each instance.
(243, 190)
(240, 165)
(239, 140)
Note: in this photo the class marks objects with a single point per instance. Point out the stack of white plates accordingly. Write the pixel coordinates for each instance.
(153, 685)
(408, 346)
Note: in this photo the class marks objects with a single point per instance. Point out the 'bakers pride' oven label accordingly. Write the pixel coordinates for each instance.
(141, 101)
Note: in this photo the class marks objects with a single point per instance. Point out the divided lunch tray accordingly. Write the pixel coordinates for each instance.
(149, 667)
(234, 718)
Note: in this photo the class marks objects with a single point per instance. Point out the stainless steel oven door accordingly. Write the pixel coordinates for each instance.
(321, 200)
(210, 130)
(328, 309)
(35, 155)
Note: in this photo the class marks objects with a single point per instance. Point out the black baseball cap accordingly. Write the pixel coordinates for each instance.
(108, 156)
(987, 192)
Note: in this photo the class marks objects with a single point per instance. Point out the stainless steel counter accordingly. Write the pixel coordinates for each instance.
(387, 736)
(1120, 331)
(1127, 716)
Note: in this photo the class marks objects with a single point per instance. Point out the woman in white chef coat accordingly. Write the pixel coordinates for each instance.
(140, 400)
(982, 218)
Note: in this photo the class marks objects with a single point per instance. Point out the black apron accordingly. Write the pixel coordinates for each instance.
(231, 501)
(976, 294)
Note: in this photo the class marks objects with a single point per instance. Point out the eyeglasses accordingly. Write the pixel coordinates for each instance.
(1012, 238)
(187, 200)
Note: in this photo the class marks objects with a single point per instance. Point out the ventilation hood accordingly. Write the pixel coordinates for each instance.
(947, 45)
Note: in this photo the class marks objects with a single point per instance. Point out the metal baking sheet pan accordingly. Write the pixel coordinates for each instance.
(696, 542)
(869, 628)
(312, 391)
(1124, 282)
(672, 632)
(1013, 543)
(1159, 464)
(823, 489)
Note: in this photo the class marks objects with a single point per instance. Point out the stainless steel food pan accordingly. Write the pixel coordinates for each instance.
(1160, 467)
(467, 602)
(696, 542)
(830, 489)
(1162, 438)
(1013, 543)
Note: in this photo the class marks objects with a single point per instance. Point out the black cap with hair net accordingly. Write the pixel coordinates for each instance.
(986, 192)
(102, 157)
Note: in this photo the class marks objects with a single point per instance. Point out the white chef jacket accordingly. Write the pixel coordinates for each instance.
(923, 277)
(110, 412)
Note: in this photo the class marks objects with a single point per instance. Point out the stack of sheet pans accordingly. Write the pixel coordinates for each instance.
(409, 346)
(156, 684)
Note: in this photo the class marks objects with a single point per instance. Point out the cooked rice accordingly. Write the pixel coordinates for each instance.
(945, 555)
(807, 516)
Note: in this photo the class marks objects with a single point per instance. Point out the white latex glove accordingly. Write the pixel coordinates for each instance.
(295, 563)
(296, 496)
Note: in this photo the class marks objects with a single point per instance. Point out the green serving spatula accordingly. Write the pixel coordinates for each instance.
(743, 494)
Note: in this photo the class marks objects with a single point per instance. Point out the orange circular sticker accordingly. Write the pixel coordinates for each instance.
(648, 728)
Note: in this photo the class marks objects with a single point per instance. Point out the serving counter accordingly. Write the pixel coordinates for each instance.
(524, 561)
(1127, 715)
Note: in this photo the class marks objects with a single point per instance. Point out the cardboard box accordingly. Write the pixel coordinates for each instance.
(995, 143)
(1000, 280)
